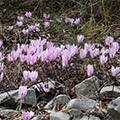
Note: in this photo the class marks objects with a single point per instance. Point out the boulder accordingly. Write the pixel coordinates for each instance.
(87, 88)
(11, 100)
(82, 104)
(109, 91)
(75, 114)
(61, 99)
(114, 109)
(91, 117)
(59, 116)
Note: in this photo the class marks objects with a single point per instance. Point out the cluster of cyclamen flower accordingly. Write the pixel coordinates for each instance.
(34, 52)
(31, 28)
(67, 20)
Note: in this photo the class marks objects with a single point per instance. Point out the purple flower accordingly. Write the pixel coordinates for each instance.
(31, 28)
(27, 115)
(80, 38)
(26, 75)
(115, 45)
(10, 28)
(28, 14)
(82, 53)
(20, 18)
(1, 77)
(115, 71)
(94, 53)
(25, 32)
(77, 21)
(71, 20)
(59, 21)
(1, 43)
(37, 29)
(46, 16)
(42, 87)
(19, 23)
(90, 70)
(103, 59)
(104, 51)
(31, 59)
(89, 47)
(108, 40)
(33, 76)
(22, 91)
(37, 24)
(65, 57)
(112, 53)
(73, 49)
(66, 20)
(46, 24)
(22, 58)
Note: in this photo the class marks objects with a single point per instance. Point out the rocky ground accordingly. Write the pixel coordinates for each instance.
(72, 97)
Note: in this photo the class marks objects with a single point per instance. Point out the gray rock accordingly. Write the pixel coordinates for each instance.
(75, 114)
(82, 104)
(7, 112)
(114, 109)
(61, 99)
(36, 118)
(30, 98)
(91, 117)
(108, 90)
(87, 88)
(59, 116)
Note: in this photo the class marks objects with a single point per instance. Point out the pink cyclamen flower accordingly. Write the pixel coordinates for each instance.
(27, 115)
(59, 21)
(104, 51)
(46, 16)
(83, 53)
(22, 91)
(71, 20)
(112, 53)
(37, 24)
(26, 75)
(115, 45)
(42, 87)
(94, 53)
(25, 32)
(46, 24)
(1, 77)
(77, 21)
(65, 57)
(103, 59)
(28, 14)
(33, 76)
(66, 20)
(80, 38)
(108, 40)
(31, 28)
(89, 47)
(1, 43)
(19, 23)
(22, 58)
(115, 71)
(10, 28)
(20, 18)
(90, 70)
